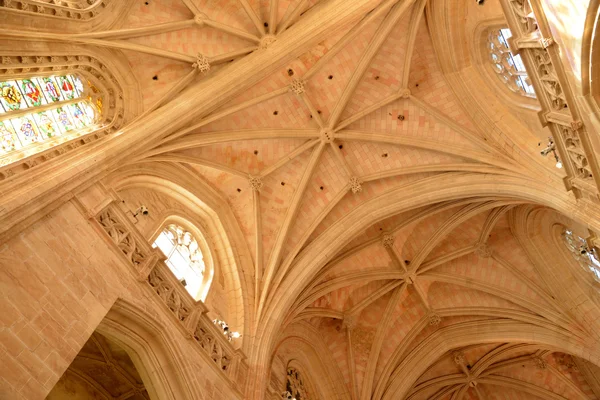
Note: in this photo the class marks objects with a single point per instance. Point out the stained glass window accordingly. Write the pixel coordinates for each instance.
(508, 66)
(184, 257)
(586, 256)
(295, 385)
(37, 108)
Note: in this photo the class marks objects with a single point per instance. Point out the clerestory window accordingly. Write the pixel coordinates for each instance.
(586, 256)
(184, 257)
(35, 109)
(508, 66)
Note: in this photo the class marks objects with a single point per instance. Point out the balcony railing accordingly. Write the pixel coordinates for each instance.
(532, 39)
(148, 265)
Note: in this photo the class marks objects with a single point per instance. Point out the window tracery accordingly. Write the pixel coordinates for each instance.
(508, 66)
(71, 9)
(35, 109)
(184, 257)
(586, 256)
(295, 385)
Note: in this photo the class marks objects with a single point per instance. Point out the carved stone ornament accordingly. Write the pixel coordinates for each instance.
(483, 250)
(540, 363)
(387, 241)
(434, 319)
(266, 41)
(355, 185)
(295, 384)
(202, 63)
(120, 235)
(212, 347)
(255, 182)
(326, 135)
(405, 93)
(297, 86)
(459, 358)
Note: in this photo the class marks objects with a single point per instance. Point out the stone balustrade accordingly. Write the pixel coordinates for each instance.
(532, 40)
(149, 267)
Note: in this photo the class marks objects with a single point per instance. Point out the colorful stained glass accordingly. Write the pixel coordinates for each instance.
(33, 93)
(63, 119)
(66, 87)
(26, 129)
(47, 124)
(8, 137)
(78, 85)
(79, 116)
(89, 112)
(11, 96)
(99, 104)
(94, 88)
(51, 89)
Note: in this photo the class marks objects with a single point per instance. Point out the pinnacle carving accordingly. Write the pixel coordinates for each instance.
(255, 182)
(266, 41)
(202, 63)
(388, 241)
(483, 250)
(297, 86)
(327, 136)
(355, 185)
(434, 319)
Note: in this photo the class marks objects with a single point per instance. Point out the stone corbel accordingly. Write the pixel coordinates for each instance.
(532, 40)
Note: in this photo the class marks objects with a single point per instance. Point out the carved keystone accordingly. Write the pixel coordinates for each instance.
(326, 135)
(297, 86)
(483, 250)
(355, 185)
(200, 19)
(202, 63)
(459, 358)
(266, 41)
(434, 319)
(255, 182)
(405, 93)
(388, 241)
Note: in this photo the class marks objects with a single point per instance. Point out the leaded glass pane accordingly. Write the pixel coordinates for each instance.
(47, 124)
(8, 137)
(11, 96)
(50, 87)
(64, 119)
(27, 130)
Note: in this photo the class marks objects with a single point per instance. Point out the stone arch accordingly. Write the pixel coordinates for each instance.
(465, 334)
(102, 67)
(233, 255)
(159, 362)
(457, 186)
(64, 16)
(305, 350)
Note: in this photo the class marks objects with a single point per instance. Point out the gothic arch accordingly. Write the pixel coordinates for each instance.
(446, 339)
(460, 186)
(155, 357)
(221, 226)
(103, 68)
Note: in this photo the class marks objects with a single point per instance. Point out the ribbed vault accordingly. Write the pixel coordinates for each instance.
(368, 218)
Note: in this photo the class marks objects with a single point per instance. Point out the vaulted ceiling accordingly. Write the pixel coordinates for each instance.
(365, 189)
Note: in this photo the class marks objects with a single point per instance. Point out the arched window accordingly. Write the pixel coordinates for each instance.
(586, 256)
(184, 257)
(508, 66)
(36, 109)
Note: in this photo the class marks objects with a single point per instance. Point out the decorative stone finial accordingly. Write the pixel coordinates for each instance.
(405, 93)
(202, 63)
(327, 136)
(266, 41)
(255, 182)
(297, 86)
(355, 185)
(434, 319)
(483, 250)
(388, 241)
(459, 358)
(540, 363)
(546, 42)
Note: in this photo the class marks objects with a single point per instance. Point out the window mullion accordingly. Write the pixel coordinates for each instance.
(50, 106)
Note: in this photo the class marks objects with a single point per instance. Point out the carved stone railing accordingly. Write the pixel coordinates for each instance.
(532, 39)
(149, 267)
(77, 10)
